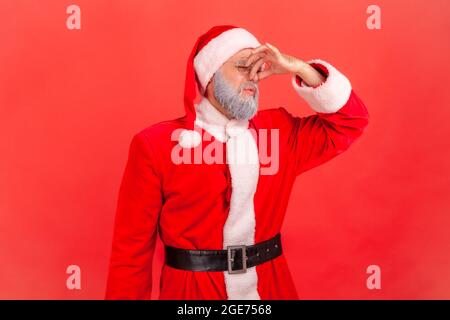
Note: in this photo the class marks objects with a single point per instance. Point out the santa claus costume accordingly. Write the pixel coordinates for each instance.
(206, 207)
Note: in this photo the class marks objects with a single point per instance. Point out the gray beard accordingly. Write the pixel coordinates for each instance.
(230, 99)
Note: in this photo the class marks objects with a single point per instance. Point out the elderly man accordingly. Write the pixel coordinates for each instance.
(220, 220)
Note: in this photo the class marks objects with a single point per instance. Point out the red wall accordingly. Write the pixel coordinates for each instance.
(70, 101)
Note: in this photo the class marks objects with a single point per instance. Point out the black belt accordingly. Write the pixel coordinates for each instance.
(236, 259)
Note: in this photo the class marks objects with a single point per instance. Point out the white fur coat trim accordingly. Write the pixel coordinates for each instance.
(243, 163)
(331, 95)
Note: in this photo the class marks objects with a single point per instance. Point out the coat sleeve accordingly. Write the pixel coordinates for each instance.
(135, 226)
(340, 119)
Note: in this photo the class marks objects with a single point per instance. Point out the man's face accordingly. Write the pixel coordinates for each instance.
(234, 90)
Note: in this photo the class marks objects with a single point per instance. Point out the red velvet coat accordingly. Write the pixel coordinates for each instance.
(212, 205)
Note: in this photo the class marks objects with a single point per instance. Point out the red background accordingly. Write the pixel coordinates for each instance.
(70, 101)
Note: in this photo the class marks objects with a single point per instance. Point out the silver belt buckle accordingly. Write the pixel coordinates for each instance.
(230, 259)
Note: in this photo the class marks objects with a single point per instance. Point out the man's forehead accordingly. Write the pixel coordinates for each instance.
(241, 55)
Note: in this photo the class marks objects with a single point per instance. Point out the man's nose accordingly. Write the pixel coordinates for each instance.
(254, 79)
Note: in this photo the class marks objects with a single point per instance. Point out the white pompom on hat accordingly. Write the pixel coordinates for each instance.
(210, 51)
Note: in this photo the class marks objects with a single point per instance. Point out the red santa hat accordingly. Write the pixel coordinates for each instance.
(210, 51)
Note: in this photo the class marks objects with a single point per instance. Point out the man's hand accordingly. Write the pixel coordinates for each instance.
(268, 60)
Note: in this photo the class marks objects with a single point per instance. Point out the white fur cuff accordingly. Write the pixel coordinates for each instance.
(328, 97)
